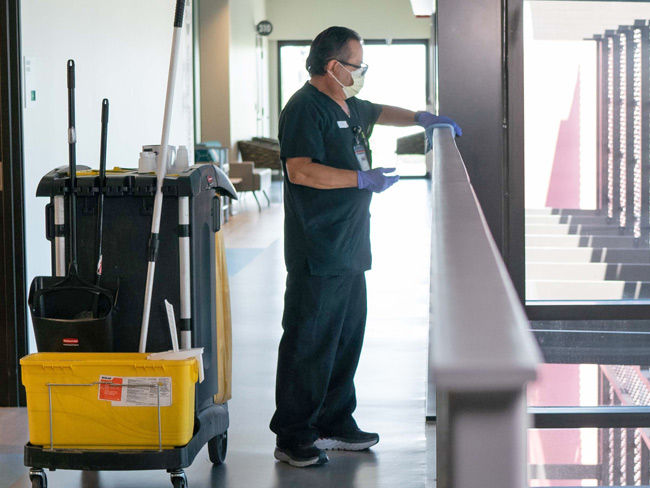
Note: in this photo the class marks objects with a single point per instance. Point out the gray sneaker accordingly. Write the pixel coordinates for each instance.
(301, 456)
(349, 441)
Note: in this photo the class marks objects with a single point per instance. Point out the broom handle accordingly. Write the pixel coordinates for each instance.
(72, 156)
(154, 239)
(100, 197)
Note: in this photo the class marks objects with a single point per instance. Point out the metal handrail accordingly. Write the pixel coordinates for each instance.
(481, 351)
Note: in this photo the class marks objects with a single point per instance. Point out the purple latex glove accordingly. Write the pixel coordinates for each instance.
(427, 119)
(376, 179)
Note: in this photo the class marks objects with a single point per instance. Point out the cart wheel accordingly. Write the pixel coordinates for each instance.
(217, 447)
(179, 480)
(38, 478)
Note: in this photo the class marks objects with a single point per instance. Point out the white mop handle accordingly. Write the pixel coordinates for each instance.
(162, 167)
(167, 122)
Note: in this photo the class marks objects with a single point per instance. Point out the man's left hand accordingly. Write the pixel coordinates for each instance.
(376, 179)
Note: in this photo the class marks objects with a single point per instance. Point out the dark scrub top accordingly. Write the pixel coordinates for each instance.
(327, 232)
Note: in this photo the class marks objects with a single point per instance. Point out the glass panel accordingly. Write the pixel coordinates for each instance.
(587, 147)
(396, 76)
(589, 457)
(292, 71)
(589, 385)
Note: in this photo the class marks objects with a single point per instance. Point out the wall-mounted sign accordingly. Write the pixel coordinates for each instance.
(264, 28)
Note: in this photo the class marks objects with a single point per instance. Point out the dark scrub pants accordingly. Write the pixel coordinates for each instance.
(327, 251)
(324, 322)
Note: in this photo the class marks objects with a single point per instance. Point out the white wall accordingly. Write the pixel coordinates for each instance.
(121, 50)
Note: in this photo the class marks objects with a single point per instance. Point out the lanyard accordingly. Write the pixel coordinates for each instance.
(359, 135)
(360, 145)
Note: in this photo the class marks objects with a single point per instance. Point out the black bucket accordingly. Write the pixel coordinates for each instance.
(71, 318)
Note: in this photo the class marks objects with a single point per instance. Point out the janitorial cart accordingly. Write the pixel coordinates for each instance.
(115, 384)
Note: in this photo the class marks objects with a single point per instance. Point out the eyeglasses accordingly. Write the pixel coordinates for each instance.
(363, 66)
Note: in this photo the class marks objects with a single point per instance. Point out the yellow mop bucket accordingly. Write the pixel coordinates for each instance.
(109, 400)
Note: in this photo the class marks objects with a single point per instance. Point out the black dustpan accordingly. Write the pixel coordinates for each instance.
(71, 314)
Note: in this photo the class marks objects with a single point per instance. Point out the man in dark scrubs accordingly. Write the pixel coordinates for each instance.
(328, 185)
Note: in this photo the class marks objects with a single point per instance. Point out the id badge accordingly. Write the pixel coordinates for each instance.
(360, 153)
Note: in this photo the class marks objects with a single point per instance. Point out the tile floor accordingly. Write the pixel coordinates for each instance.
(391, 379)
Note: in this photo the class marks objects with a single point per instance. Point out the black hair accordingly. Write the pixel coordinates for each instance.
(329, 44)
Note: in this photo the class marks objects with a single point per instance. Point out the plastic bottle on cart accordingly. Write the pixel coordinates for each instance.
(171, 155)
(182, 159)
(147, 162)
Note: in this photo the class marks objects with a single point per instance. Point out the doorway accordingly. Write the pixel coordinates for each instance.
(13, 320)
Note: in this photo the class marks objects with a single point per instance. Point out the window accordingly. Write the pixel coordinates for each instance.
(587, 150)
(397, 75)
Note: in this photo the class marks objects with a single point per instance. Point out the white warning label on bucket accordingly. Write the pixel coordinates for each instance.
(135, 391)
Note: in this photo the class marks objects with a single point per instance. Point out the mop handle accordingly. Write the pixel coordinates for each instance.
(154, 239)
(72, 155)
(102, 178)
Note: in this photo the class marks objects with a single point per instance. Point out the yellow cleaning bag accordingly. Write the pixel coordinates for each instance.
(224, 326)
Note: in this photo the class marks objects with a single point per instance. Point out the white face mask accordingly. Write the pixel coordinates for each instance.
(357, 82)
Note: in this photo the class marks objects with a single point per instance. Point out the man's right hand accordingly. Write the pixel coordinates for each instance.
(376, 180)
(427, 119)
